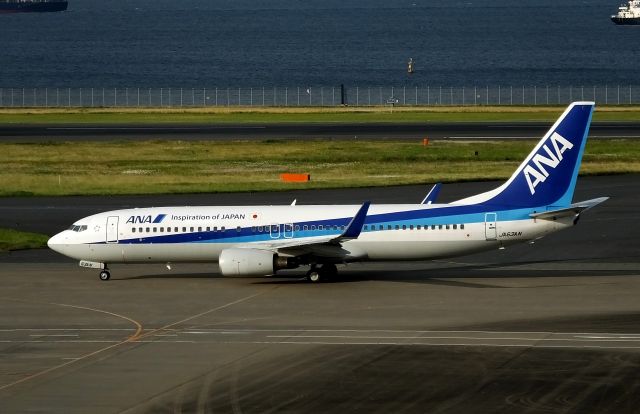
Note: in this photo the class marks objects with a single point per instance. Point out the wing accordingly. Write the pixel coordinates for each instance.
(323, 246)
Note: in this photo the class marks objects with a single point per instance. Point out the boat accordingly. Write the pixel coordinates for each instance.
(628, 13)
(32, 6)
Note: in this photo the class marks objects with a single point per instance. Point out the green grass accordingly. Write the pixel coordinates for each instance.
(152, 167)
(303, 115)
(17, 240)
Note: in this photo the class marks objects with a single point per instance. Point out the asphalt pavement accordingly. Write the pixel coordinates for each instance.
(548, 327)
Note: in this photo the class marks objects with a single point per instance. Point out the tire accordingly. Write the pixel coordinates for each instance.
(105, 275)
(329, 271)
(314, 276)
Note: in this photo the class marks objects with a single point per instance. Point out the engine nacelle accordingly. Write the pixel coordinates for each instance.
(253, 262)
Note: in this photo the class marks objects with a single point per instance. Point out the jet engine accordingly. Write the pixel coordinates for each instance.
(253, 262)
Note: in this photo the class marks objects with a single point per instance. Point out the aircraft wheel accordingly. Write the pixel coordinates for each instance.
(314, 276)
(105, 275)
(329, 271)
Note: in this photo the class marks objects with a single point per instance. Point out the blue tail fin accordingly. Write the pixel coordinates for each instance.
(548, 175)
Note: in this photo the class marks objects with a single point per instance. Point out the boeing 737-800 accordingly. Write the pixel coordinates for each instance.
(260, 240)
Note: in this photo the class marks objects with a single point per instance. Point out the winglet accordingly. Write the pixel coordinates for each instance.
(433, 194)
(357, 223)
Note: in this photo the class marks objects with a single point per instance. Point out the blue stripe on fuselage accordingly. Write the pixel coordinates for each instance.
(466, 214)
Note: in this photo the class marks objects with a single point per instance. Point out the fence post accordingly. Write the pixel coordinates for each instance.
(238, 96)
(522, 94)
(68, 97)
(558, 95)
(618, 95)
(487, 95)
(161, 96)
(428, 94)
(499, 98)
(357, 96)
(321, 96)
(138, 97)
(463, 96)
(103, 105)
(416, 96)
(35, 101)
(404, 95)
(594, 93)
(150, 97)
(46, 97)
(629, 94)
(606, 95)
(535, 95)
(547, 94)
(263, 96)
(251, 96)
(380, 95)
(510, 94)
(582, 93)
(180, 97)
(440, 95)
(286, 96)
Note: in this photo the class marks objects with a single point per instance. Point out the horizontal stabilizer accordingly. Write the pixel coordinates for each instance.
(572, 210)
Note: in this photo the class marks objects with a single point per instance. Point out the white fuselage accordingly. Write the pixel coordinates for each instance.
(391, 232)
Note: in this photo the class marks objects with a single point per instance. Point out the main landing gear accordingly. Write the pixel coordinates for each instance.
(105, 275)
(323, 273)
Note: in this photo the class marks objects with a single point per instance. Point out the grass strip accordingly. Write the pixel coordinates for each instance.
(162, 167)
(18, 240)
(243, 115)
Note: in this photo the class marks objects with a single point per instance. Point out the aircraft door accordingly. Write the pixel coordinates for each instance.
(288, 230)
(274, 231)
(112, 229)
(490, 226)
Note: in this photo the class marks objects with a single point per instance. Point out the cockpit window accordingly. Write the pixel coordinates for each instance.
(77, 228)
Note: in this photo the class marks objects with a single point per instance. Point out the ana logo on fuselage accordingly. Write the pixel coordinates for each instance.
(535, 171)
(146, 219)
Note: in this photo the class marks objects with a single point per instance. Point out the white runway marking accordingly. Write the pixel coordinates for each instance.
(348, 337)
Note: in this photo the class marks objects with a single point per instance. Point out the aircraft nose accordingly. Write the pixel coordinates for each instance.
(55, 243)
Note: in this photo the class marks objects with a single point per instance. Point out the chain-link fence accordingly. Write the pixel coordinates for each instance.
(317, 96)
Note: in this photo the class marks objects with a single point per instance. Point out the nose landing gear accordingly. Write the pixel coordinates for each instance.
(105, 275)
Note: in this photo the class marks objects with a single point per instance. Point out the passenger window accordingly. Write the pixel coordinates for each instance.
(455, 226)
(148, 229)
(184, 229)
(222, 228)
(313, 227)
(199, 228)
(433, 227)
(366, 227)
(175, 229)
(139, 229)
(404, 227)
(397, 227)
(462, 227)
(133, 230)
(215, 228)
(305, 227)
(297, 227)
(191, 229)
(208, 228)
(418, 227)
(161, 229)
(411, 227)
(320, 227)
(155, 229)
(440, 227)
(447, 227)
(238, 229)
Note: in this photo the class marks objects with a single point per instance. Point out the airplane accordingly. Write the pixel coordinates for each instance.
(261, 240)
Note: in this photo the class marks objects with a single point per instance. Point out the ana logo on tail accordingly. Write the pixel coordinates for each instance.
(535, 171)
